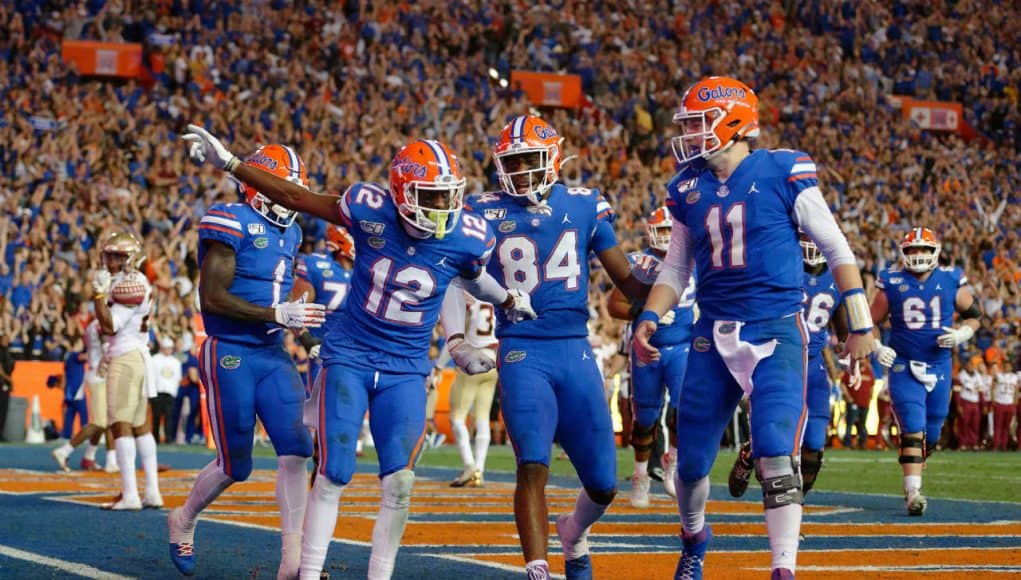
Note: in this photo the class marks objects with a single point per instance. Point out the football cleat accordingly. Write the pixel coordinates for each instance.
(577, 563)
(121, 504)
(916, 503)
(111, 466)
(781, 574)
(60, 457)
(669, 472)
(152, 501)
(640, 483)
(689, 566)
(540, 572)
(741, 472)
(89, 465)
(470, 477)
(182, 544)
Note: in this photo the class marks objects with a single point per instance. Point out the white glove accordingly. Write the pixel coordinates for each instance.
(205, 147)
(886, 355)
(101, 282)
(469, 359)
(300, 314)
(668, 318)
(520, 309)
(955, 336)
(314, 351)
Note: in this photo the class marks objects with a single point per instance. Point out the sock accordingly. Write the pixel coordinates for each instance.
(463, 441)
(111, 457)
(641, 467)
(586, 511)
(390, 523)
(90, 451)
(537, 570)
(150, 467)
(292, 492)
(783, 524)
(691, 500)
(290, 556)
(912, 483)
(482, 438)
(320, 521)
(359, 445)
(126, 458)
(208, 486)
(66, 448)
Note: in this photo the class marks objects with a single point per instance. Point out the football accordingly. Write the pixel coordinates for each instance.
(128, 292)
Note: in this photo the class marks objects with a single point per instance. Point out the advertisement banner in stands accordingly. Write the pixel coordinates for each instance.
(933, 115)
(117, 59)
(548, 89)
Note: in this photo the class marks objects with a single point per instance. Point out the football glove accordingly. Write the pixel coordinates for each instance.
(205, 147)
(101, 282)
(300, 314)
(314, 351)
(520, 307)
(668, 318)
(469, 359)
(955, 336)
(886, 355)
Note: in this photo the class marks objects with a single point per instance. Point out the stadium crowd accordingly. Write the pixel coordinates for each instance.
(348, 83)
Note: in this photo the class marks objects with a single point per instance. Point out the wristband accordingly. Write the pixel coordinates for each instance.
(647, 315)
(859, 317)
(232, 164)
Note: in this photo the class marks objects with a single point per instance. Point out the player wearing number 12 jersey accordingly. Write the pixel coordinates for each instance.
(920, 299)
(549, 382)
(411, 240)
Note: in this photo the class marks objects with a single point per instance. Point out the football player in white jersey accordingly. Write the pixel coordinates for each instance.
(95, 383)
(123, 301)
(472, 393)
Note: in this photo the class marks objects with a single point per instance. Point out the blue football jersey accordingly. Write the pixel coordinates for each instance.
(544, 251)
(744, 239)
(919, 310)
(646, 266)
(263, 272)
(822, 298)
(398, 282)
(330, 280)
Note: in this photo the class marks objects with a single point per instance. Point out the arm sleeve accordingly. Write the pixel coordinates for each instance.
(485, 288)
(452, 310)
(677, 266)
(814, 216)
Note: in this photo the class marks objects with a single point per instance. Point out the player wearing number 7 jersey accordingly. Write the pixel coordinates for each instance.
(550, 385)
(411, 240)
(920, 300)
(736, 218)
(246, 253)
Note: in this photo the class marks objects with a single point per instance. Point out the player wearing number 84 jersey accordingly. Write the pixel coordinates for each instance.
(411, 240)
(548, 375)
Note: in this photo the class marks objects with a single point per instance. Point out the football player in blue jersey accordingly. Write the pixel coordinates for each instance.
(412, 239)
(823, 310)
(920, 300)
(550, 385)
(650, 382)
(246, 255)
(736, 218)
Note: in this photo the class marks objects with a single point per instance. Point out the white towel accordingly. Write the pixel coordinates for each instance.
(921, 371)
(740, 357)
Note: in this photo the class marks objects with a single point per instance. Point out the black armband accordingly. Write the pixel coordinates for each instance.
(971, 312)
(307, 340)
(636, 309)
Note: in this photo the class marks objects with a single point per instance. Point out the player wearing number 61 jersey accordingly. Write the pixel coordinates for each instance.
(548, 375)
(411, 240)
(920, 300)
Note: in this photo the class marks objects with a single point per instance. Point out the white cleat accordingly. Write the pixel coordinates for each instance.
(111, 467)
(130, 504)
(669, 471)
(640, 483)
(152, 501)
(916, 503)
(60, 456)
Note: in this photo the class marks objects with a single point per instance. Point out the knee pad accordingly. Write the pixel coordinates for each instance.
(643, 438)
(240, 469)
(811, 464)
(397, 489)
(324, 490)
(912, 441)
(780, 480)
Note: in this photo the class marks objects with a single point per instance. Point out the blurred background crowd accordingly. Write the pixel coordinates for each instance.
(347, 83)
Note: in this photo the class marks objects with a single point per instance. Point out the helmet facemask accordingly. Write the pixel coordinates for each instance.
(921, 261)
(435, 207)
(810, 253)
(527, 172)
(659, 235)
(698, 137)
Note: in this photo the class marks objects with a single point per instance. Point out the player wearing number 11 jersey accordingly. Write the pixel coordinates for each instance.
(550, 384)
(411, 240)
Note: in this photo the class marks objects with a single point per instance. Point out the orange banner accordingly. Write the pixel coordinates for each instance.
(118, 59)
(29, 378)
(933, 115)
(548, 89)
